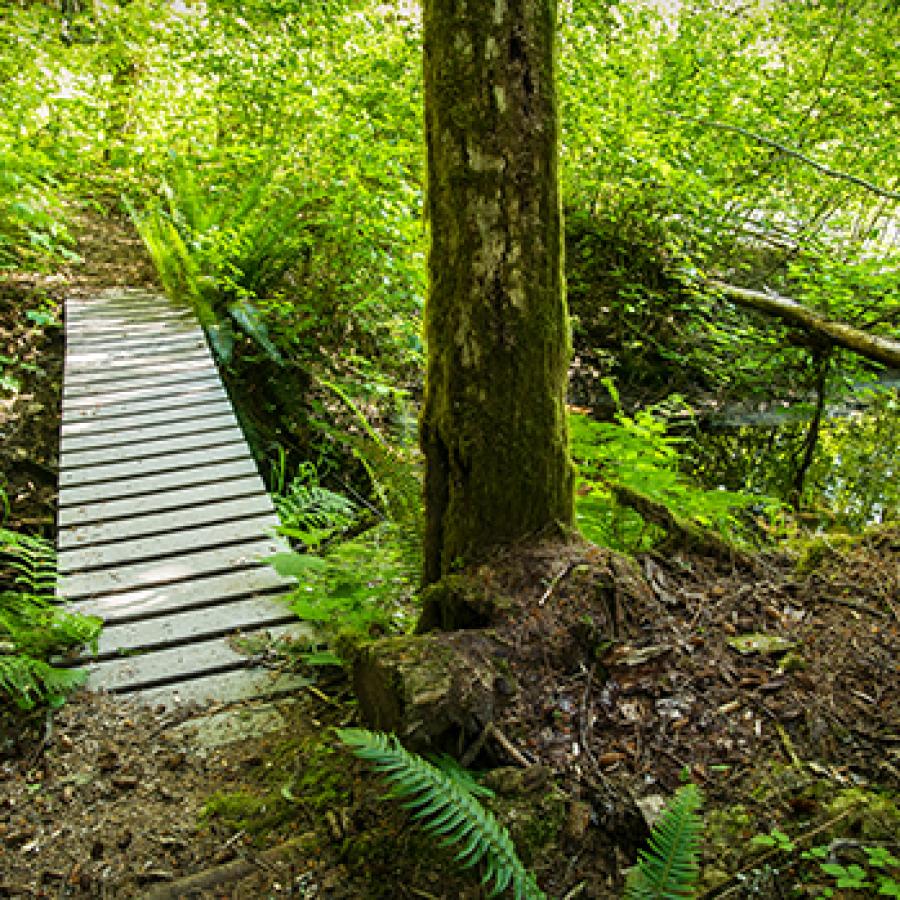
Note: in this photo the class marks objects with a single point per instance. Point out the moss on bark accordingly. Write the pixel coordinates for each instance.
(493, 427)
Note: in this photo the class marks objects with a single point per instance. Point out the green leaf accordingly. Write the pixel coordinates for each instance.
(293, 565)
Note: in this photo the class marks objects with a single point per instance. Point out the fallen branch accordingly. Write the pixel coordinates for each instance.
(514, 753)
(876, 347)
(681, 533)
(734, 882)
(223, 874)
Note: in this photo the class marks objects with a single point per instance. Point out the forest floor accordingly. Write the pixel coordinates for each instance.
(628, 694)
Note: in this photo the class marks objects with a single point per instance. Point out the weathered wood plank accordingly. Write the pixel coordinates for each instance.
(215, 472)
(165, 666)
(96, 363)
(163, 518)
(227, 688)
(181, 462)
(86, 316)
(130, 332)
(191, 497)
(221, 433)
(199, 592)
(166, 571)
(85, 427)
(159, 340)
(138, 402)
(170, 521)
(192, 625)
(165, 547)
(156, 388)
(150, 373)
(195, 421)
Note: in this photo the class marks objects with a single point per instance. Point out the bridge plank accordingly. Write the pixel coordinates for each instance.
(204, 590)
(176, 522)
(171, 570)
(132, 673)
(213, 472)
(203, 624)
(119, 511)
(193, 422)
(202, 536)
(220, 432)
(179, 460)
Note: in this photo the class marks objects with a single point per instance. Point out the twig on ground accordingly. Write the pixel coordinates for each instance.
(229, 872)
(44, 742)
(511, 749)
(788, 745)
(578, 889)
(554, 581)
(584, 718)
(853, 604)
(469, 756)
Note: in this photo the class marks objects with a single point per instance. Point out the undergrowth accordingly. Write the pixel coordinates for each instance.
(224, 250)
(639, 452)
(357, 561)
(669, 868)
(33, 626)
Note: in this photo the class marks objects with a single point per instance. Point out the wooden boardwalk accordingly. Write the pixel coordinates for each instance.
(163, 518)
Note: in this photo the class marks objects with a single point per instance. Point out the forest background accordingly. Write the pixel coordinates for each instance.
(270, 155)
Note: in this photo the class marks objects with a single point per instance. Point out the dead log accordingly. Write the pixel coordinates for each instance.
(682, 534)
(879, 348)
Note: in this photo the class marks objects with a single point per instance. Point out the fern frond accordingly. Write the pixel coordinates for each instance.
(31, 681)
(33, 625)
(310, 513)
(670, 868)
(443, 807)
(32, 560)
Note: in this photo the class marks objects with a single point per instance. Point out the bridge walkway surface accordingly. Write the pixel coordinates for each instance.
(163, 517)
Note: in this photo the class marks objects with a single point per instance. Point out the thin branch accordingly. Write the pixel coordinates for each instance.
(790, 151)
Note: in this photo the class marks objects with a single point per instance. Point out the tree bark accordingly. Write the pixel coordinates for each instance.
(878, 348)
(493, 428)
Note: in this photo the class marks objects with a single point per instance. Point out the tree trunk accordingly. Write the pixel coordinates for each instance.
(493, 426)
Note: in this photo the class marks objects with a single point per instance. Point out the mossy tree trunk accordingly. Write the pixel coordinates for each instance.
(493, 426)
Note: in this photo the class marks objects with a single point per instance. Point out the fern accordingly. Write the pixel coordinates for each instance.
(33, 625)
(444, 807)
(310, 513)
(639, 453)
(31, 681)
(670, 868)
(32, 560)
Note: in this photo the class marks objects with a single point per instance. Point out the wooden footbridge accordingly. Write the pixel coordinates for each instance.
(163, 518)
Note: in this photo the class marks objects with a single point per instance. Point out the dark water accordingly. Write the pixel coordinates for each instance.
(853, 478)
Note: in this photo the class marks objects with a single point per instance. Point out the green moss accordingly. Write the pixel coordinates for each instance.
(539, 829)
(813, 554)
(256, 814)
(873, 816)
(322, 782)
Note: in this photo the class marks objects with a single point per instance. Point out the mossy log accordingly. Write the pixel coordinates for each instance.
(435, 692)
(880, 348)
(682, 534)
